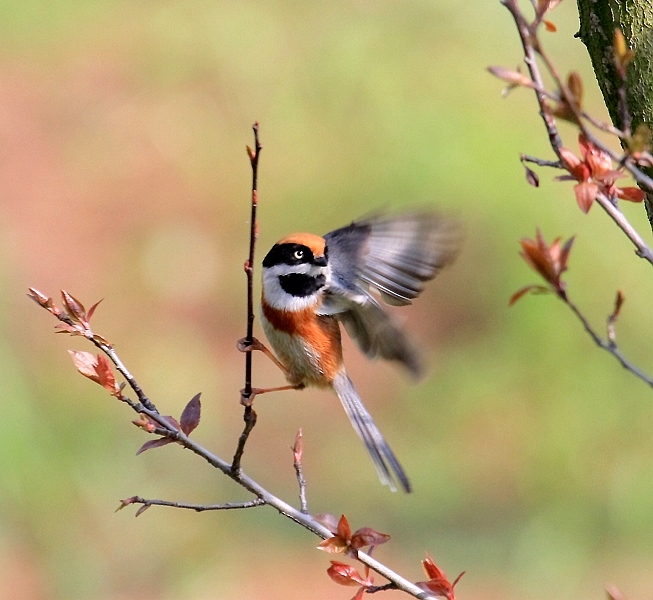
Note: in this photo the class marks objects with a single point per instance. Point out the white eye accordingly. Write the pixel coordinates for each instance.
(298, 254)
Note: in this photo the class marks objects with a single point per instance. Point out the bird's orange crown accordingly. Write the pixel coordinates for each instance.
(314, 243)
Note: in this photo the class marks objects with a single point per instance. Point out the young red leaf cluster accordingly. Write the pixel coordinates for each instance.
(75, 318)
(346, 542)
(189, 420)
(438, 583)
(595, 175)
(343, 541)
(96, 369)
(549, 262)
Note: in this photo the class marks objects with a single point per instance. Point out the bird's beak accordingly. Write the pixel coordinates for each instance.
(320, 261)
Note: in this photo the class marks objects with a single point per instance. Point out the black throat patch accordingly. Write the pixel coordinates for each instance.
(300, 285)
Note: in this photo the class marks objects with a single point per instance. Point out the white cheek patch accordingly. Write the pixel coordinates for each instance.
(278, 298)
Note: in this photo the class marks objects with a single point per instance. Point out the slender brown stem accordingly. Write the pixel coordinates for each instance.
(196, 507)
(249, 265)
(247, 395)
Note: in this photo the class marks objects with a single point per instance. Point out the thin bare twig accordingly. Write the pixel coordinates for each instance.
(195, 507)
(247, 395)
(297, 451)
(556, 164)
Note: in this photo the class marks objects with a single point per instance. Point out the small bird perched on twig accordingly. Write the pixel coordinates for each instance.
(311, 284)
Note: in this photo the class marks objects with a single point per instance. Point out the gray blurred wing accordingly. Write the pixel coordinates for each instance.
(395, 255)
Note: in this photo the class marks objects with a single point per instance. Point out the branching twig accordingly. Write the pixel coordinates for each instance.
(550, 262)
(609, 345)
(76, 322)
(147, 502)
(532, 48)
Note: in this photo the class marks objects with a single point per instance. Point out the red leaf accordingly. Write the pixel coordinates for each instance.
(92, 310)
(344, 574)
(106, 378)
(632, 194)
(550, 26)
(328, 520)
(536, 254)
(432, 570)
(438, 583)
(344, 530)
(157, 443)
(74, 307)
(438, 587)
(519, 293)
(564, 254)
(86, 364)
(571, 161)
(366, 536)
(586, 194)
(190, 417)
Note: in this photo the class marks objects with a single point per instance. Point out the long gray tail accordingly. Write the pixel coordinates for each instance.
(386, 463)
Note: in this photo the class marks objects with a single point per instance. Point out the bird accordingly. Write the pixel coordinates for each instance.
(311, 285)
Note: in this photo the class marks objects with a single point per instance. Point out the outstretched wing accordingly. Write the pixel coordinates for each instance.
(395, 255)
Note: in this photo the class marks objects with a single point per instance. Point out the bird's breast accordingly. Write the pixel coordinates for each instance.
(306, 343)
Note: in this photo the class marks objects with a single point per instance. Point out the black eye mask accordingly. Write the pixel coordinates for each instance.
(300, 285)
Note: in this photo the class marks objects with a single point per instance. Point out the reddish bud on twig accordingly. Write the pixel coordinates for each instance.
(298, 447)
(549, 262)
(438, 583)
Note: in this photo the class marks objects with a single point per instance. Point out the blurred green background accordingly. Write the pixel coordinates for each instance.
(123, 176)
